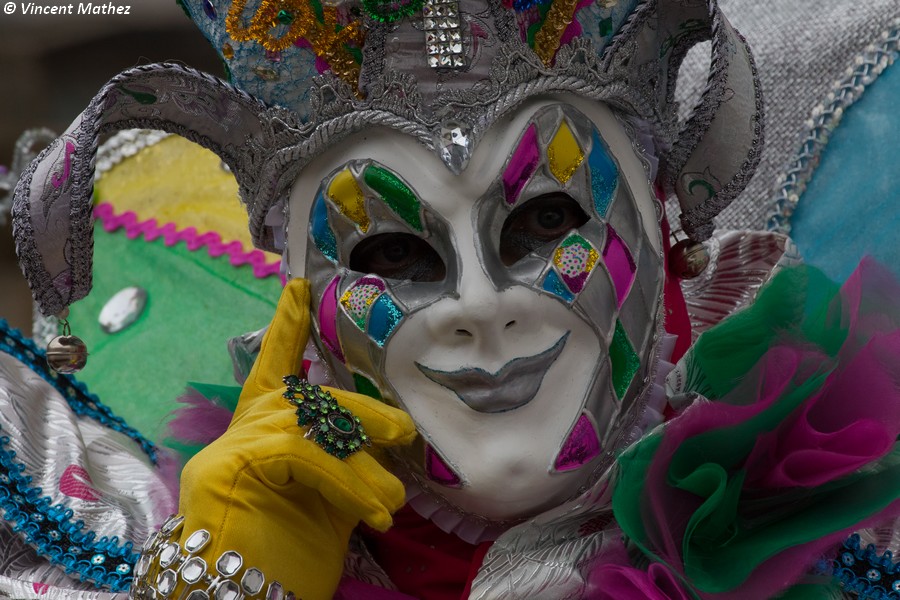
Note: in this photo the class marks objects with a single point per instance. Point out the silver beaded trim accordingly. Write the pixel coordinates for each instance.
(824, 119)
(164, 566)
(124, 144)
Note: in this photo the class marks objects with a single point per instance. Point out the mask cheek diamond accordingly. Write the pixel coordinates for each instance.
(371, 309)
(574, 260)
(358, 299)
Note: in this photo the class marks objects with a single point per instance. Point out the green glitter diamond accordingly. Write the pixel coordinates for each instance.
(395, 194)
(284, 17)
(624, 361)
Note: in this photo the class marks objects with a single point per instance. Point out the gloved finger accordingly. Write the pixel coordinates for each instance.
(284, 458)
(281, 352)
(385, 425)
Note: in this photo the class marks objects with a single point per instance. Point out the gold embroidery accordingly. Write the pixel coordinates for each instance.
(546, 41)
(328, 39)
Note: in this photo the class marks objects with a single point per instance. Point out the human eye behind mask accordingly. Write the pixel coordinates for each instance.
(398, 255)
(539, 222)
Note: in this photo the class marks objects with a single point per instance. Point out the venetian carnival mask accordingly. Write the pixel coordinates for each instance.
(511, 309)
(483, 243)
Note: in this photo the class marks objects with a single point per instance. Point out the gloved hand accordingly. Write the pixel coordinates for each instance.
(280, 500)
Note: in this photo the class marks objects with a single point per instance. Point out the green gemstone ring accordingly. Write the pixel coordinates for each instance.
(334, 428)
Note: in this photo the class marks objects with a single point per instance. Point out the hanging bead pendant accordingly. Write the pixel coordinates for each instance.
(66, 353)
(688, 259)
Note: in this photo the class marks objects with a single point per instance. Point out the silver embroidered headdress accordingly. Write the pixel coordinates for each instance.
(305, 74)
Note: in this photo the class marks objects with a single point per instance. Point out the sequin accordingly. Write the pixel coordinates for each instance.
(522, 165)
(330, 39)
(581, 447)
(384, 319)
(346, 195)
(328, 319)
(623, 360)
(388, 11)
(604, 176)
(605, 26)
(266, 74)
(554, 285)
(523, 5)
(357, 300)
(575, 259)
(619, 263)
(547, 39)
(365, 386)
(395, 194)
(438, 470)
(209, 9)
(321, 232)
(564, 154)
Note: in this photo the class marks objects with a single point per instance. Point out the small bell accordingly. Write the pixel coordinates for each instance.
(66, 353)
(688, 259)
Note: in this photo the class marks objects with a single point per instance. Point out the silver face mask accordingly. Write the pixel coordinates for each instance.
(511, 309)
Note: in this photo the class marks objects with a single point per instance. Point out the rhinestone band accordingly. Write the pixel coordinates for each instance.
(443, 34)
(164, 566)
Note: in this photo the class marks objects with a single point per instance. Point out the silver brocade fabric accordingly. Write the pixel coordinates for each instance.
(100, 474)
(802, 50)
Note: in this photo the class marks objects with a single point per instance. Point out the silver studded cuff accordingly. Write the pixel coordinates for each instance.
(165, 566)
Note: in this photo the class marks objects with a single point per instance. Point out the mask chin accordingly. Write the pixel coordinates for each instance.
(521, 377)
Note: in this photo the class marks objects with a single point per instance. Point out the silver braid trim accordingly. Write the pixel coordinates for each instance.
(824, 119)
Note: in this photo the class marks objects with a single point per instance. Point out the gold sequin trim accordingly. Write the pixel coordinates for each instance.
(546, 41)
(327, 39)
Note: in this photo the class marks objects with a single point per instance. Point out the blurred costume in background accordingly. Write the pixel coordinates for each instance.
(494, 372)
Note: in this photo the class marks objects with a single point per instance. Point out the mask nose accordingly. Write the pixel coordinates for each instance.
(481, 316)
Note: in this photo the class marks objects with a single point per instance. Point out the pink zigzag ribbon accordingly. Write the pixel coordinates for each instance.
(171, 235)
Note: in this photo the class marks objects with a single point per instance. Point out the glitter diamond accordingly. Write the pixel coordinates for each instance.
(564, 154)
(580, 448)
(346, 195)
(522, 165)
(619, 263)
(384, 319)
(575, 259)
(604, 176)
(357, 300)
(624, 361)
(395, 194)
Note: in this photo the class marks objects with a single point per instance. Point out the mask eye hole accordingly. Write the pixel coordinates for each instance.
(398, 255)
(538, 222)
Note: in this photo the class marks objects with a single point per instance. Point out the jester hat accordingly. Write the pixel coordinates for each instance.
(306, 74)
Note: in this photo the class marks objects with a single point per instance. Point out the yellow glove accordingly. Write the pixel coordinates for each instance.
(279, 500)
